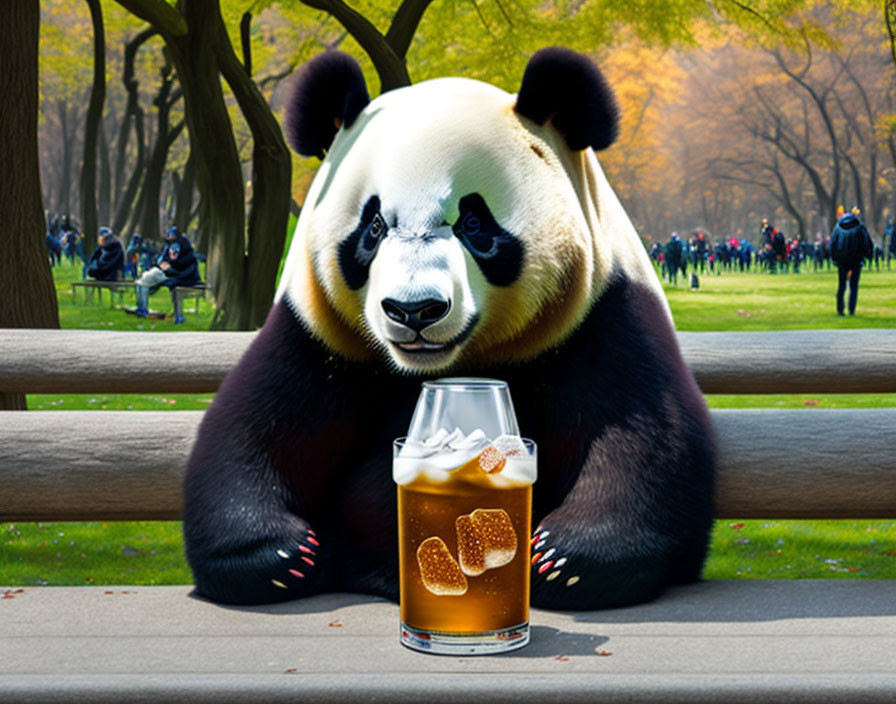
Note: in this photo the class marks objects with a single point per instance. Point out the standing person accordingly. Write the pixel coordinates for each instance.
(850, 246)
(890, 241)
(673, 258)
(107, 261)
(177, 266)
(54, 248)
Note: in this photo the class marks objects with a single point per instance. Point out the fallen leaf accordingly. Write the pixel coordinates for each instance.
(737, 526)
(335, 624)
(290, 671)
(604, 653)
(562, 658)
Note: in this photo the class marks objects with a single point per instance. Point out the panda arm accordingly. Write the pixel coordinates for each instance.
(254, 526)
(632, 509)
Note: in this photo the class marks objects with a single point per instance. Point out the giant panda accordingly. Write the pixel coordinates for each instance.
(455, 229)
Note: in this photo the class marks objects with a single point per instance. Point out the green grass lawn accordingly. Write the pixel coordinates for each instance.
(152, 552)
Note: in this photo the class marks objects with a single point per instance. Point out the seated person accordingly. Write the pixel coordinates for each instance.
(107, 261)
(177, 266)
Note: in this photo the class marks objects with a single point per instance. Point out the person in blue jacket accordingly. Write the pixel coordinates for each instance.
(107, 261)
(177, 266)
(851, 245)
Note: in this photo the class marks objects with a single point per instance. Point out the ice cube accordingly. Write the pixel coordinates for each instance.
(454, 436)
(491, 460)
(471, 441)
(497, 534)
(439, 570)
(470, 550)
(436, 440)
(510, 445)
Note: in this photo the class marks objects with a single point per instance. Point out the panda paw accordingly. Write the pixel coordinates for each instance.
(550, 563)
(299, 562)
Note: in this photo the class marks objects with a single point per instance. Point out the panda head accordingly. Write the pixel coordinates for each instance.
(450, 223)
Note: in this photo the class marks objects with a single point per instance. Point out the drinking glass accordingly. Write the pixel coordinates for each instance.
(464, 479)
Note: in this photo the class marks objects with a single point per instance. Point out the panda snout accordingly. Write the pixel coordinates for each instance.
(416, 315)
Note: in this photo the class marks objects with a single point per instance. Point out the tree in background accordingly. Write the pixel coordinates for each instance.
(27, 295)
(87, 184)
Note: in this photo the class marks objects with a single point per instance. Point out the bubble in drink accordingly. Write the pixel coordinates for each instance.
(439, 570)
(485, 540)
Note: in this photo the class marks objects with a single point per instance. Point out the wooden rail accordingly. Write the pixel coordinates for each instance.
(799, 361)
(129, 465)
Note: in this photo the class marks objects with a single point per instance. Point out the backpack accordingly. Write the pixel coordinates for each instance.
(846, 244)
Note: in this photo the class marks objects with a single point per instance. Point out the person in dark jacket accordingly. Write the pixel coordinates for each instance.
(54, 248)
(107, 261)
(177, 266)
(673, 259)
(850, 246)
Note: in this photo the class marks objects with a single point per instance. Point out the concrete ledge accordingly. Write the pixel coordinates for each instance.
(745, 641)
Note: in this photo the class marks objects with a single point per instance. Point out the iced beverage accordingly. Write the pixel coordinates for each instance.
(464, 517)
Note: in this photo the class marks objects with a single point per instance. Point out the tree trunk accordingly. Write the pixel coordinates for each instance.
(104, 193)
(183, 207)
(27, 293)
(218, 172)
(271, 178)
(91, 129)
(132, 109)
(126, 203)
(150, 198)
(65, 184)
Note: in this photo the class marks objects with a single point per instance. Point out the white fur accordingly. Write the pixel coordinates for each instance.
(421, 149)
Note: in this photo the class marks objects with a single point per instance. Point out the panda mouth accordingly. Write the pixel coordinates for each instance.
(419, 345)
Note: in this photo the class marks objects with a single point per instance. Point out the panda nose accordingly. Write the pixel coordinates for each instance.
(416, 314)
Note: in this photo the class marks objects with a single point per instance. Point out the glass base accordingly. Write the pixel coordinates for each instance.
(484, 643)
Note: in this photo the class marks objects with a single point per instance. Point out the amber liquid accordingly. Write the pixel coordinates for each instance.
(496, 599)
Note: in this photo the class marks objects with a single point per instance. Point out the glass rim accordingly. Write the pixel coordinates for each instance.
(528, 442)
(467, 383)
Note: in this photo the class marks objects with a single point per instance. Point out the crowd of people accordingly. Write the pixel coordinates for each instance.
(847, 249)
(175, 265)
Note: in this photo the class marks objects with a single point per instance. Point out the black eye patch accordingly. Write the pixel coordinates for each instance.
(498, 253)
(358, 249)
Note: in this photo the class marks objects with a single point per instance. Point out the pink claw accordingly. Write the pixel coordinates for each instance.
(296, 573)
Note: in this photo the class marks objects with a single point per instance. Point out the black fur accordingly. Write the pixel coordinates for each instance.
(568, 89)
(498, 253)
(357, 251)
(298, 438)
(329, 88)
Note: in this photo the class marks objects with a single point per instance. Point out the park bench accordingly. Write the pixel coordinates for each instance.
(91, 286)
(183, 293)
(723, 641)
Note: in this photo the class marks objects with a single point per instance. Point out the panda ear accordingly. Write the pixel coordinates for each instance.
(569, 90)
(329, 93)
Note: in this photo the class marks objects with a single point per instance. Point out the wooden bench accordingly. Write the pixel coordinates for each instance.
(725, 641)
(90, 286)
(196, 292)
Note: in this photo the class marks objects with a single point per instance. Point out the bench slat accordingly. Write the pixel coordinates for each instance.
(797, 361)
(129, 465)
(728, 641)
